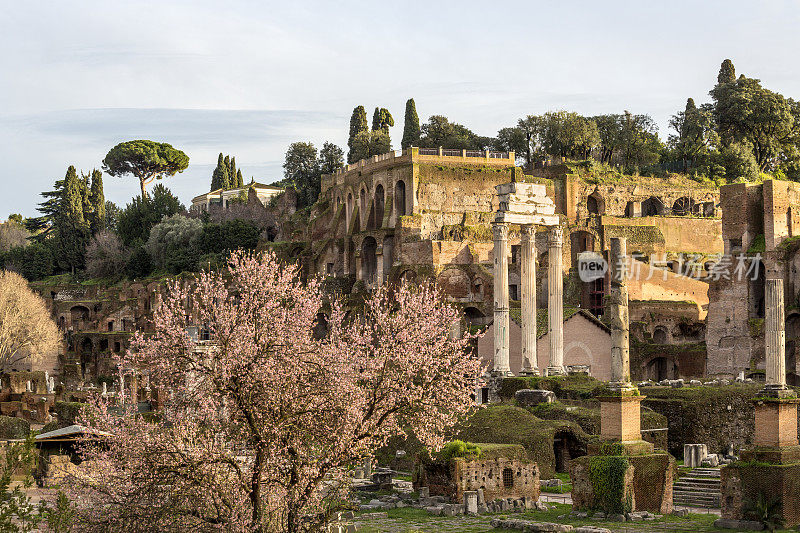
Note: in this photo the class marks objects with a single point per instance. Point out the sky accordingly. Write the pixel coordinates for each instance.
(248, 78)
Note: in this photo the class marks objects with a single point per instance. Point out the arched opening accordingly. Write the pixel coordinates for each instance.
(652, 207)
(661, 368)
(351, 258)
(388, 247)
(683, 206)
(566, 448)
(79, 317)
(594, 204)
(757, 279)
(369, 260)
(473, 316)
(400, 198)
(630, 209)
(349, 209)
(362, 209)
(408, 276)
(379, 206)
(660, 335)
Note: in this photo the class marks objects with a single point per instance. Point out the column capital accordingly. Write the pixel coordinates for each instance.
(526, 231)
(555, 237)
(500, 231)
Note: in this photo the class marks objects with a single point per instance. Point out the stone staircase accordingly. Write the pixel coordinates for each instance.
(699, 488)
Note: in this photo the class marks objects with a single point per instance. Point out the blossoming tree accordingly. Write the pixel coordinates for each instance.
(258, 426)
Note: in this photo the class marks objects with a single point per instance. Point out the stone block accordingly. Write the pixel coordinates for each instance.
(471, 502)
(744, 482)
(620, 418)
(533, 397)
(746, 525)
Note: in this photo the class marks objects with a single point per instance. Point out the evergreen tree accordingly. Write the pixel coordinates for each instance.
(382, 120)
(226, 181)
(72, 232)
(331, 158)
(220, 175)
(727, 74)
(239, 179)
(98, 201)
(232, 172)
(411, 131)
(358, 124)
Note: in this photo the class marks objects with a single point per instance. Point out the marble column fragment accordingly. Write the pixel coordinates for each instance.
(555, 300)
(501, 362)
(528, 275)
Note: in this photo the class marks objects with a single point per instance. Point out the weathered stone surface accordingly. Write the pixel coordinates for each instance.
(533, 397)
(693, 454)
(747, 525)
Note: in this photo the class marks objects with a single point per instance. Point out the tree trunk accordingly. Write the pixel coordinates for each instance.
(255, 489)
(144, 192)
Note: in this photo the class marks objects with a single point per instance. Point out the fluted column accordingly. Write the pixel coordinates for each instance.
(555, 301)
(501, 364)
(528, 275)
(618, 314)
(774, 334)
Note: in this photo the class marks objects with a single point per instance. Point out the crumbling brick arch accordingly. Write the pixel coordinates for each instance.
(595, 204)
(652, 207)
(683, 206)
(79, 316)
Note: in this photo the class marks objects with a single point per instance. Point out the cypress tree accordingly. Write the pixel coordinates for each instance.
(98, 201)
(72, 232)
(220, 176)
(411, 130)
(232, 172)
(727, 73)
(239, 179)
(358, 124)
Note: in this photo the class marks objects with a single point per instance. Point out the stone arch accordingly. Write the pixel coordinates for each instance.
(660, 335)
(683, 206)
(408, 275)
(79, 316)
(652, 207)
(349, 209)
(595, 205)
(660, 368)
(380, 202)
(400, 198)
(369, 259)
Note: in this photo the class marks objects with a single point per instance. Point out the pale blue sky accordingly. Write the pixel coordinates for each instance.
(248, 78)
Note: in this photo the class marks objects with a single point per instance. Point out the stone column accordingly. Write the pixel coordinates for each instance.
(774, 335)
(555, 301)
(501, 364)
(618, 311)
(379, 265)
(528, 275)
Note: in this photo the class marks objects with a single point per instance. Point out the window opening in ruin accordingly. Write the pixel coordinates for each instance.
(379, 206)
(369, 259)
(660, 335)
(400, 198)
(683, 206)
(757, 290)
(515, 250)
(110, 325)
(512, 293)
(652, 207)
(329, 268)
(117, 347)
(597, 289)
(508, 478)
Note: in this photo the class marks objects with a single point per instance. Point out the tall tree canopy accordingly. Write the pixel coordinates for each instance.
(411, 131)
(97, 221)
(139, 216)
(358, 124)
(331, 158)
(439, 131)
(695, 135)
(220, 179)
(295, 410)
(27, 331)
(382, 120)
(147, 160)
(301, 170)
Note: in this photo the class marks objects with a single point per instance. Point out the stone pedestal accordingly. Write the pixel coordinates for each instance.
(620, 418)
(776, 423)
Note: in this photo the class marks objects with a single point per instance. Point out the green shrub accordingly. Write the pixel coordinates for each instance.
(459, 448)
(67, 412)
(13, 428)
